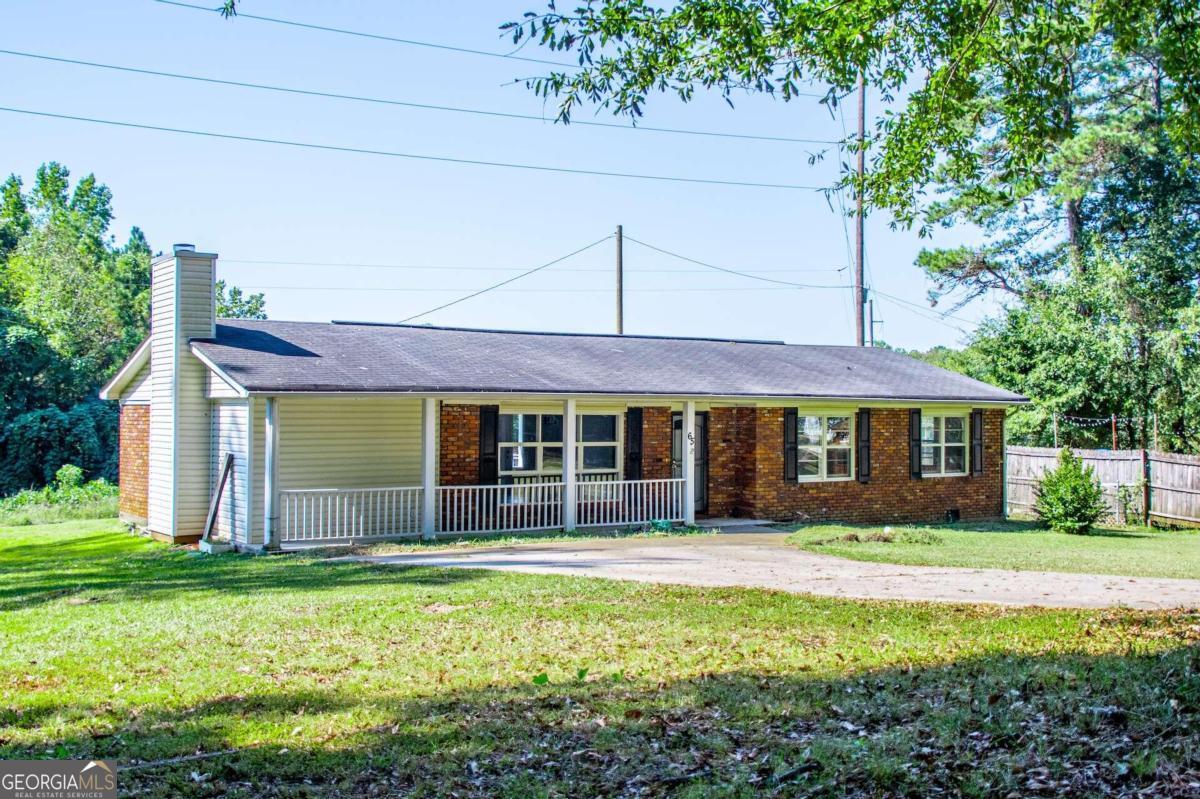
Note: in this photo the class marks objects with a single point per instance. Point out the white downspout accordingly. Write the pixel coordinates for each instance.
(429, 409)
(270, 488)
(568, 512)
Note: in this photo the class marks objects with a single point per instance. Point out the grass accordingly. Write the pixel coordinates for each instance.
(42, 513)
(297, 676)
(1131, 551)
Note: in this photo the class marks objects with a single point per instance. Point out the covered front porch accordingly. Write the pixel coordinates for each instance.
(319, 470)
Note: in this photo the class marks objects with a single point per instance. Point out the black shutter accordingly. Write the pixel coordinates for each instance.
(863, 431)
(914, 443)
(489, 450)
(789, 443)
(976, 441)
(633, 444)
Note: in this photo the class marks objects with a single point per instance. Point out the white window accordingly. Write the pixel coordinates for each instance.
(824, 447)
(599, 437)
(943, 445)
(531, 445)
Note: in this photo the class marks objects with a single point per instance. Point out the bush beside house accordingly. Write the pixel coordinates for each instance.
(1069, 498)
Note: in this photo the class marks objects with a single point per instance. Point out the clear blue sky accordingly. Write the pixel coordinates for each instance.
(468, 224)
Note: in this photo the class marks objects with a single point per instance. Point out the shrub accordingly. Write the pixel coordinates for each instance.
(68, 498)
(1069, 498)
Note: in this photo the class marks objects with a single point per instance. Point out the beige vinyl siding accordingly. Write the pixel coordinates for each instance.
(349, 442)
(256, 503)
(217, 388)
(139, 391)
(230, 436)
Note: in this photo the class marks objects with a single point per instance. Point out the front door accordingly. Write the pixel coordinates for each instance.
(701, 455)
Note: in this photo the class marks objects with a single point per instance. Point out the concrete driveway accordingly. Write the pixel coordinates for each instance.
(759, 558)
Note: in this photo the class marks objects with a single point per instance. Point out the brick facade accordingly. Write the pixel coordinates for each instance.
(892, 495)
(745, 466)
(134, 470)
(731, 446)
(656, 443)
(458, 452)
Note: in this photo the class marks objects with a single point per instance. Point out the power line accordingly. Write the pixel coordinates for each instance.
(377, 36)
(509, 280)
(411, 156)
(401, 103)
(751, 276)
(672, 290)
(602, 270)
(787, 283)
(398, 40)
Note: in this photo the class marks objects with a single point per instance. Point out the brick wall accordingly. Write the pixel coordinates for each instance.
(656, 443)
(731, 436)
(892, 495)
(458, 454)
(134, 469)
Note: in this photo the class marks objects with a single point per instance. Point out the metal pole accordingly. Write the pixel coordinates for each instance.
(1114, 432)
(860, 337)
(620, 281)
(1055, 418)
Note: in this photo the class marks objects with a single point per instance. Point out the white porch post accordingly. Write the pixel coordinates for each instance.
(568, 514)
(689, 462)
(428, 468)
(270, 487)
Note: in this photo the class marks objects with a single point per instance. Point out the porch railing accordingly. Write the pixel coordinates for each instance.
(617, 503)
(499, 508)
(320, 514)
(350, 514)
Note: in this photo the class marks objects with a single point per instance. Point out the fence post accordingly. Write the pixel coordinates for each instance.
(1145, 488)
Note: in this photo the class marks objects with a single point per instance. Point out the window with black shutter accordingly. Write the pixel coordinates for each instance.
(633, 444)
(789, 443)
(976, 441)
(863, 454)
(489, 461)
(914, 443)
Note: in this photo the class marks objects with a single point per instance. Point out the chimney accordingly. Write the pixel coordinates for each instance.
(182, 307)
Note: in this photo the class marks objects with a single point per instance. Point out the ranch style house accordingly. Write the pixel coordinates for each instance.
(275, 435)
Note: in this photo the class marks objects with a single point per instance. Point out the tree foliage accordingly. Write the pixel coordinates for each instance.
(73, 305)
(950, 75)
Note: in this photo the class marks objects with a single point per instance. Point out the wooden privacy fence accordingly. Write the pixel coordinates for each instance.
(1130, 478)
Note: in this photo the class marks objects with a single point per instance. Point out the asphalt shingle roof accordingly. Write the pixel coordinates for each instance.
(272, 356)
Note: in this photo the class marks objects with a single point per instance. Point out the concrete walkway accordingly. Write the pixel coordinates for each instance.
(759, 558)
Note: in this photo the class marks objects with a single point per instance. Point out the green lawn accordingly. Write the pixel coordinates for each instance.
(1134, 552)
(295, 676)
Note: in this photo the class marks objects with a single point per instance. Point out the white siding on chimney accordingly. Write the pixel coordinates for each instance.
(182, 307)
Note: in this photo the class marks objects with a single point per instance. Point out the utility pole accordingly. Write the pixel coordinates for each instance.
(620, 281)
(859, 294)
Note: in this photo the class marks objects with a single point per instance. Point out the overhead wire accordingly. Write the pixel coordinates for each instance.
(502, 283)
(397, 39)
(410, 156)
(401, 103)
